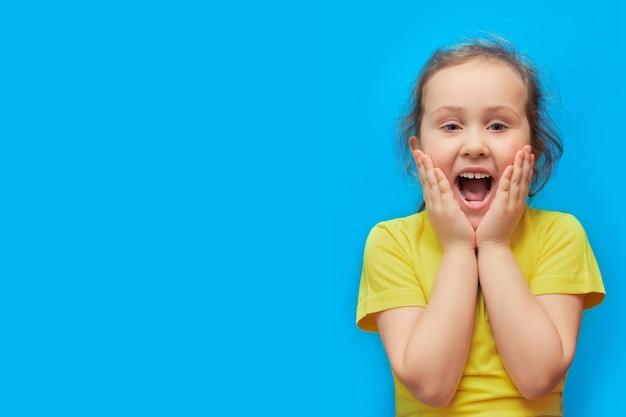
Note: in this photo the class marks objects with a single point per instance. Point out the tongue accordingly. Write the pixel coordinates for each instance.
(474, 190)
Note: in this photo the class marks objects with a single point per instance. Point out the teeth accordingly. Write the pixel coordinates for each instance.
(474, 175)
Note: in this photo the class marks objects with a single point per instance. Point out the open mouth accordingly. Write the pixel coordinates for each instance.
(474, 187)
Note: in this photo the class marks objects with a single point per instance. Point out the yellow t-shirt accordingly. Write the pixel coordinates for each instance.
(399, 266)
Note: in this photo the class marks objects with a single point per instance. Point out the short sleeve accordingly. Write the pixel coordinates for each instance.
(388, 278)
(567, 264)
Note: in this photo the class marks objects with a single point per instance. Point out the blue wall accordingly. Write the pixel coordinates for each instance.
(370, 56)
(160, 208)
(187, 186)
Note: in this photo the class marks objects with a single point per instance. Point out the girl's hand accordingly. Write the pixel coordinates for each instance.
(445, 215)
(499, 222)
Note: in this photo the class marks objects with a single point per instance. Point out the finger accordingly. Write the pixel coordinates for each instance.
(443, 185)
(504, 187)
(419, 165)
(526, 170)
(520, 179)
(419, 158)
(430, 178)
(430, 187)
(516, 177)
(529, 167)
(518, 169)
(424, 167)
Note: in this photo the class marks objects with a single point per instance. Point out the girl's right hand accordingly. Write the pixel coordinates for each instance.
(448, 220)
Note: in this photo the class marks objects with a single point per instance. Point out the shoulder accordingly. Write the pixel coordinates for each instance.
(402, 230)
(552, 234)
(406, 238)
(543, 233)
(560, 258)
(546, 215)
(552, 221)
(401, 225)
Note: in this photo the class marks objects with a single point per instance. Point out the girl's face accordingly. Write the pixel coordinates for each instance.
(474, 120)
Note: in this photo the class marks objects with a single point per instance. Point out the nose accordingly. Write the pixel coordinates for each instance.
(474, 145)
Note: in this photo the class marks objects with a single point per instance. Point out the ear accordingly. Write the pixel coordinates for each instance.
(414, 143)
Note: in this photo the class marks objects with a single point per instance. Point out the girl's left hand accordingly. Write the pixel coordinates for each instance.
(499, 222)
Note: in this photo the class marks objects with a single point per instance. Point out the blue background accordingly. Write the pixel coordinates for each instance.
(371, 55)
(186, 190)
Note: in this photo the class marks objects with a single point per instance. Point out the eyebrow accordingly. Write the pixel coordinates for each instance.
(490, 109)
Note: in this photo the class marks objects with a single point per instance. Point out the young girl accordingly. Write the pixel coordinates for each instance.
(478, 299)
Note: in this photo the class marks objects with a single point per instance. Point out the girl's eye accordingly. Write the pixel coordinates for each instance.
(451, 127)
(497, 126)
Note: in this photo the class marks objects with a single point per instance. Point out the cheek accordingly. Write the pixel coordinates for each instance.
(506, 154)
(442, 158)
(440, 153)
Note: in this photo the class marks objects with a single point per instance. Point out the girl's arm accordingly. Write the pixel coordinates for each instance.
(428, 347)
(536, 336)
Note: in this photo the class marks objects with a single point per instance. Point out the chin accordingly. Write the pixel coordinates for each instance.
(474, 219)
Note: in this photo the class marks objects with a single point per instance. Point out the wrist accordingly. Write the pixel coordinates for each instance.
(459, 251)
(493, 249)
